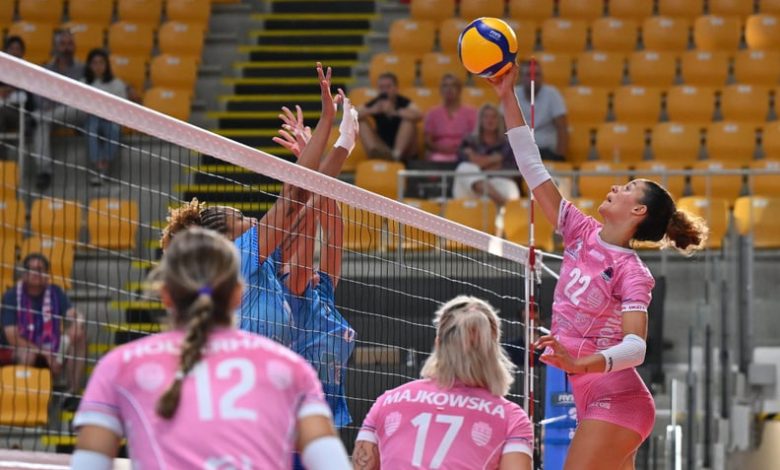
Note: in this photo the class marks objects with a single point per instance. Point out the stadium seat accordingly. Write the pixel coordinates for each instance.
(757, 67)
(516, 223)
(760, 217)
(171, 102)
(531, 10)
(771, 7)
(449, 32)
(557, 68)
(432, 10)
(586, 10)
(112, 223)
(587, 105)
(725, 186)
(478, 8)
(170, 71)
(59, 253)
(87, 37)
(130, 39)
(602, 69)
(676, 142)
(763, 32)
(435, 65)
(414, 238)
(661, 33)
(362, 95)
(95, 12)
(9, 179)
(716, 33)
(637, 105)
(48, 12)
(690, 104)
(12, 221)
(675, 184)
(621, 142)
(704, 68)
(714, 211)
(146, 12)
(424, 98)
(614, 35)
(192, 12)
(58, 218)
(739, 8)
(476, 97)
(652, 69)
(765, 185)
(730, 141)
(380, 177)
(6, 14)
(596, 186)
(411, 37)
(479, 214)
(402, 65)
(131, 69)
(362, 229)
(526, 36)
(8, 263)
(687, 9)
(37, 40)
(745, 103)
(770, 140)
(24, 396)
(630, 10)
(564, 36)
(580, 143)
(180, 39)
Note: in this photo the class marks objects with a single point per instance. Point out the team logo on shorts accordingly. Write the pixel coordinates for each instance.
(392, 422)
(481, 433)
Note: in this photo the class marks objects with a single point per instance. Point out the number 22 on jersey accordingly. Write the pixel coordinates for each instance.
(576, 285)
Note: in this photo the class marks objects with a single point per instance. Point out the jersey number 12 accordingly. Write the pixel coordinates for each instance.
(227, 402)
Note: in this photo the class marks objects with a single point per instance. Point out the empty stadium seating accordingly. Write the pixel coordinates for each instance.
(660, 33)
(45, 12)
(94, 12)
(620, 142)
(705, 68)
(112, 223)
(747, 104)
(412, 238)
(674, 183)
(424, 98)
(6, 14)
(449, 32)
(676, 142)
(435, 65)
(730, 141)
(630, 9)
(564, 36)
(432, 10)
(766, 184)
(738, 8)
(362, 229)
(557, 68)
(180, 39)
(24, 400)
(479, 214)
(403, 66)
(169, 71)
(687, 10)
(587, 105)
(9, 179)
(759, 217)
(516, 223)
(167, 101)
(531, 10)
(614, 35)
(479, 8)
(146, 12)
(714, 211)
(411, 37)
(758, 67)
(690, 104)
(8, 261)
(526, 36)
(716, 33)
(580, 142)
(12, 221)
(637, 105)
(771, 140)
(130, 38)
(192, 12)
(762, 32)
(602, 69)
(131, 69)
(380, 177)
(56, 218)
(727, 186)
(651, 68)
(595, 186)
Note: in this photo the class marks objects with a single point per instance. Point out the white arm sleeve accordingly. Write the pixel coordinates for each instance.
(628, 353)
(326, 453)
(527, 156)
(92, 460)
(348, 129)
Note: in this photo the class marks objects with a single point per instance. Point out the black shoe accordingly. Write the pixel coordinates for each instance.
(43, 181)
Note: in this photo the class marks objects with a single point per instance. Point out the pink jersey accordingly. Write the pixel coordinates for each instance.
(421, 425)
(598, 282)
(238, 407)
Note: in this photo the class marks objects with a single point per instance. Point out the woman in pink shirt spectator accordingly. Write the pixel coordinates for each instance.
(448, 124)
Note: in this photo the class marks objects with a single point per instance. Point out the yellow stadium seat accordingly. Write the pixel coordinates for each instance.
(361, 96)
(8, 263)
(432, 10)
(730, 141)
(705, 68)
(637, 104)
(714, 211)
(130, 38)
(690, 104)
(37, 40)
(87, 37)
(411, 37)
(170, 71)
(563, 35)
(688, 9)
(6, 14)
(516, 225)
(24, 399)
(621, 142)
(675, 184)
(171, 102)
(112, 223)
(557, 68)
(716, 33)
(9, 179)
(587, 10)
(402, 65)
(725, 186)
(379, 176)
(580, 143)
(630, 10)
(362, 229)
(59, 253)
(47, 12)
(531, 10)
(449, 32)
(587, 105)
(770, 140)
(766, 184)
(676, 142)
(472, 9)
(652, 69)
(435, 65)
(146, 12)
(423, 98)
(771, 7)
(661, 33)
(757, 67)
(413, 238)
(738, 8)
(479, 214)
(192, 12)
(526, 36)
(745, 103)
(476, 97)
(12, 221)
(600, 69)
(131, 69)
(763, 32)
(597, 185)
(614, 35)
(57, 218)
(760, 217)
(96, 12)
(180, 39)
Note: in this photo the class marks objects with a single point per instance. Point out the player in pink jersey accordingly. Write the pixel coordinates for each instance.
(205, 395)
(456, 417)
(600, 306)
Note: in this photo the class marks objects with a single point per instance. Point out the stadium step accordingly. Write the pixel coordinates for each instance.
(221, 174)
(283, 85)
(323, 54)
(257, 119)
(270, 103)
(232, 192)
(292, 69)
(251, 137)
(275, 21)
(324, 37)
(318, 6)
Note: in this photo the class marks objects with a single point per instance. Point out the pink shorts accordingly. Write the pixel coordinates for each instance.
(619, 398)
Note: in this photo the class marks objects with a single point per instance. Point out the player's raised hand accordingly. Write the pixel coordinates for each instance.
(350, 126)
(329, 103)
(294, 135)
(504, 86)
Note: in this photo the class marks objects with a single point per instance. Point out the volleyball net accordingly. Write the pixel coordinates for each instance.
(99, 226)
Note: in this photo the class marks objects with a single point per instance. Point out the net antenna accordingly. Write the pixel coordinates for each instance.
(530, 271)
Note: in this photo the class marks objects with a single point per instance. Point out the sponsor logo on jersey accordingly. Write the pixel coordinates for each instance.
(563, 399)
(607, 274)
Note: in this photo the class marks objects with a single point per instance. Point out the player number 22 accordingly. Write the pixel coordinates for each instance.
(572, 290)
(227, 403)
(422, 422)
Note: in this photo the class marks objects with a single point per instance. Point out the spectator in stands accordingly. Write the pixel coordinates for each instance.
(102, 135)
(11, 99)
(486, 149)
(63, 62)
(448, 124)
(550, 124)
(393, 133)
(42, 326)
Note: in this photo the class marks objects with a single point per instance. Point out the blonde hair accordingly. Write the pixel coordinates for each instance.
(501, 130)
(468, 349)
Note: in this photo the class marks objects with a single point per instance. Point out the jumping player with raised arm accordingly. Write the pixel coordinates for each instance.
(599, 318)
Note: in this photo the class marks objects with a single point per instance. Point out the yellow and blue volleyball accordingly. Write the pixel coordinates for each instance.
(487, 47)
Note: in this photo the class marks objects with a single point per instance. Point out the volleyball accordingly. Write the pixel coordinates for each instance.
(487, 47)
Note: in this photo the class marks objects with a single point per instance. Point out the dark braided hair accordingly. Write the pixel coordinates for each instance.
(196, 214)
